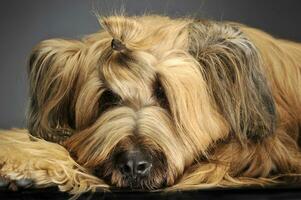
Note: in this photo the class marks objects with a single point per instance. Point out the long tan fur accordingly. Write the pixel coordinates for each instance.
(25, 157)
(214, 104)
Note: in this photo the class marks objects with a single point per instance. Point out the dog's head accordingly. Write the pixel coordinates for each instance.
(143, 100)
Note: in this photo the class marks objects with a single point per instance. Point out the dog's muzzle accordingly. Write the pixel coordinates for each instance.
(134, 165)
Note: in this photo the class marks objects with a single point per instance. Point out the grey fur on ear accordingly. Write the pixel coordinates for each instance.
(232, 68)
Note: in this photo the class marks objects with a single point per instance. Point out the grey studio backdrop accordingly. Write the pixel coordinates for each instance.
(26, 22)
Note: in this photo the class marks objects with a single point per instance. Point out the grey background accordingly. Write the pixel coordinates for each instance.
(23, 23)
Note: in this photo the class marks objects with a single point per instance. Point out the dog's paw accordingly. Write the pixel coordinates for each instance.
(14, 185)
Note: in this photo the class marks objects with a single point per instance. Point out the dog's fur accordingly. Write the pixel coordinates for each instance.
(214, 104)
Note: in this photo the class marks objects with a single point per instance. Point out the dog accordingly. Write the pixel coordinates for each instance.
(152, 103)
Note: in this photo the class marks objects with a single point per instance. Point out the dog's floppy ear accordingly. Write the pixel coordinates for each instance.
(187, 98)
(232, 68)
(53, 72)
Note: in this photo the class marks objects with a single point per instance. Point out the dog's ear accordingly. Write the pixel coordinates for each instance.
(53, 72)
(233, 70)
(188, 101)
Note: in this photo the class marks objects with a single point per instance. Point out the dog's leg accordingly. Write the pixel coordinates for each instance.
(14, 185)
(215, 174)
(274, 160)
(25, 159)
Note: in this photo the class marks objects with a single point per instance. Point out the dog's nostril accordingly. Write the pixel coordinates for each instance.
(143, 167)
(134, 164)
(126, 169)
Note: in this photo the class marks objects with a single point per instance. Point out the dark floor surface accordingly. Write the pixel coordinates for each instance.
(276, 193)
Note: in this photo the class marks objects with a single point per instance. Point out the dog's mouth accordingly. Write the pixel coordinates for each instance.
(131, 166)
(118, 181)
(138, 184)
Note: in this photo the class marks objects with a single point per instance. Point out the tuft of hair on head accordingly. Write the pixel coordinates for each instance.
(126, 32)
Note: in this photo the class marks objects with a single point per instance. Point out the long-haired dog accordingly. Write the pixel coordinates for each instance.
(152, 102)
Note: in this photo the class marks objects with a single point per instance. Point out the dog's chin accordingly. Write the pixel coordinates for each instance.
(147, 183)
(143, 184)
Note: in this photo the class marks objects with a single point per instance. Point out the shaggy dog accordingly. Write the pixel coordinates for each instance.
(151, 102)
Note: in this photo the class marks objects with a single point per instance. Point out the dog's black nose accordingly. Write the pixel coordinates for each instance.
(134, 164)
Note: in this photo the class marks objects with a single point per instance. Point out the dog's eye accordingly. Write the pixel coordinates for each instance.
(108, 100)
(160, 95)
